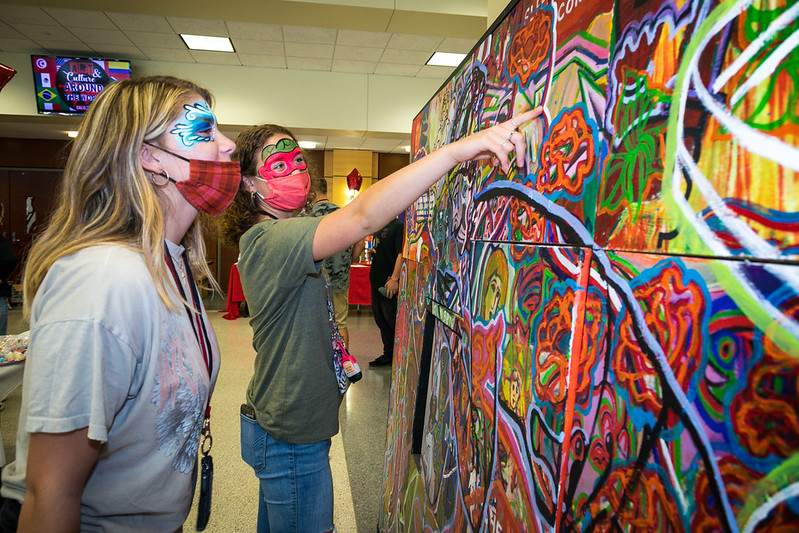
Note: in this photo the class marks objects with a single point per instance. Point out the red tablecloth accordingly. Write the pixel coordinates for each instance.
(234, 294)
(360, 288)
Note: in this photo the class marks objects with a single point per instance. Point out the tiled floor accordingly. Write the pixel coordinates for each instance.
(357, 451)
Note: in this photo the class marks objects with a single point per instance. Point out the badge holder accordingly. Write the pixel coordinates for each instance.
(206, 476)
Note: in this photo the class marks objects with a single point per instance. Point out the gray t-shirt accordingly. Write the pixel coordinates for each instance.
(106, 354)
(293, 390)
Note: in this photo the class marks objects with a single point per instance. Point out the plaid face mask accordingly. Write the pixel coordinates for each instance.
(211, 186)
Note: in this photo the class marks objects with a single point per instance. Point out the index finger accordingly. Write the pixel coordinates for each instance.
(520, 119)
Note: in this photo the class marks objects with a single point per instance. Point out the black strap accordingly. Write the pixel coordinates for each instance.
(195, 318)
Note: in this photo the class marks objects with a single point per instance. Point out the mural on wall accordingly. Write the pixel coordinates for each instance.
(607, 339)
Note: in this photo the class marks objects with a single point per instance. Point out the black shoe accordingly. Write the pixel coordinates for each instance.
(383, 360)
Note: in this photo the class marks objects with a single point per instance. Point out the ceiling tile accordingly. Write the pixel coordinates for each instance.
(429, 71)
(255, 31)
(215, 58)
(257, 60)
(371, 39)
(456, 45)
(406, 41)
(379, 145)
(64, 48)
(318, 51)
(408, 57)
(383, 4)
(141, 23)
(250, 46)
(169, 54)
(193, 26)
(145, 39)
(81, 18)
(116, 51)
(39, 32)
(94, 37)
(21, 45)
(14, 14)
(396, 69)
(343, 143)
(475, 8)
(306, 34)
(7, 32)
(303, 63)
(320, 140)
(357, 53)
(356, 67)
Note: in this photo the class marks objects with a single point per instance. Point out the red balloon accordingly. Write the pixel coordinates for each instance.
(354, 180)
(6, 73)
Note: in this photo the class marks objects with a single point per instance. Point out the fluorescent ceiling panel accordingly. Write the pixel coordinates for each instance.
(205, 42)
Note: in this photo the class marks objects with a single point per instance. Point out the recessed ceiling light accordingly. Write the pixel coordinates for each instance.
(72, 134)
(308, 145)
(445, 59)
(204, 42)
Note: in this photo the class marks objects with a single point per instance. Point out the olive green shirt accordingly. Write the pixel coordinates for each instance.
(294, 390)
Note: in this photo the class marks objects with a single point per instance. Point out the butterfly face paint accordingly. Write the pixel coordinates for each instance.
(198, 125)
(281, 159)
(285, 172)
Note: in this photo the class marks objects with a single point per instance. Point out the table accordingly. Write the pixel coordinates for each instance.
(235, 294)
(10, 379)
(360, 289)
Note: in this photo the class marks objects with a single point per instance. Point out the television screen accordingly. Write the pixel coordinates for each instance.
(67, 85)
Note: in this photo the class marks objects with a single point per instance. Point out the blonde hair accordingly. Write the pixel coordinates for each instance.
(106, 197)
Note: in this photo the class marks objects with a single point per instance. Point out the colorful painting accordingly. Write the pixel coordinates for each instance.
(607, 338)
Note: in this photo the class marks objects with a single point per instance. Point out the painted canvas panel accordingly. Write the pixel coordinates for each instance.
(526, 307)
(594, 391)
(410, 319)
(689, 421)
(702, 116)
(551, 55)
(616, 333)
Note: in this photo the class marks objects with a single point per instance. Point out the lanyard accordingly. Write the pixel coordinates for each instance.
(201, 334)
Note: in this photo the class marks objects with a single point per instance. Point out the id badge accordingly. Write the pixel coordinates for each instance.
(206, 484)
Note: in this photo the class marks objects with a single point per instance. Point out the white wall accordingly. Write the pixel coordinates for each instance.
(294, 98)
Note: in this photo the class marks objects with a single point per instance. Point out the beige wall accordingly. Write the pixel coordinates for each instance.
(494, 9)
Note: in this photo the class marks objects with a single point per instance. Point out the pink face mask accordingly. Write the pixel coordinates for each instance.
(289, 193)
(285, 172)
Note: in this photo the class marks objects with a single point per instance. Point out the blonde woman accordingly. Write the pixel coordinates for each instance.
(122, 359)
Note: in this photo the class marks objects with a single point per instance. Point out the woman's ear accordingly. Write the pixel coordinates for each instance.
(149, 160)
(249, 183)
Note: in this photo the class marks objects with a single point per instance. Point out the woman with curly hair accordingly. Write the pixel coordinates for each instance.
(293, 398)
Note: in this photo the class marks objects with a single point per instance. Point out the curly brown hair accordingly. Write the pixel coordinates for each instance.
(244, 212)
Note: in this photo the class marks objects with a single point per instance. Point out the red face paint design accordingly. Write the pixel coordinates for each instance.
(281, 159)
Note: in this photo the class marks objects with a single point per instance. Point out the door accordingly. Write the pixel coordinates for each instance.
(31, 199)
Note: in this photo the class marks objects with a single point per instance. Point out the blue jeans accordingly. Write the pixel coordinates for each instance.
(296, 485)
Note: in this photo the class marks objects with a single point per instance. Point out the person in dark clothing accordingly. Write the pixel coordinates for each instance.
(8, 261)
(384, 274)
